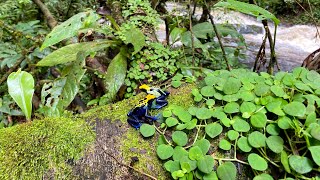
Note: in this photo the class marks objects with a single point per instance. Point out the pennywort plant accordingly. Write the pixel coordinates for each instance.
(269, 124)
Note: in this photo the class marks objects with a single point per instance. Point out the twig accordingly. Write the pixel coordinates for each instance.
(260, 54)
(220, 42)
(273, 59)
(52, 22)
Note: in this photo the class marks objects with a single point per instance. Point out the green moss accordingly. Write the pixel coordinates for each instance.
(41, 148)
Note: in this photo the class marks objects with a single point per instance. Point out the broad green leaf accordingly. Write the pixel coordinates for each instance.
(171, 121)
(203, 113)
(285, 161)
(231, 107)
(230, 97)
(172, 166)
(246, 95)
(147, 130)
(261, 89)
(302, 86)
(315, 152)
(178, 153)
(205, 164)
(116, 74)
(231, 86)
(249, 9)
(232, 135)
(164, 151)
(195, 153)
(176, 84)
(186, 40)
(210, 102)
(21, 88)
(211, 176)
(225, 145)
(315, 132)
(191, 124)
(192, 110)
(136, 38)
(176, 33)
(177, 174)
(241, 125)
(227, 171)
(243, 144)
(186, 160)
(67, 29)
(167, 113)
(275, 143)
(277, 90)
(58, 95)
(248, 107)
(203, 144)
(257, 162)
(180, 138)
(285, 122)
(256, 139)
(69, 53)
(184, 116)
(202, 30)
(207, 91)
(275, 107)
(300, 164)
(273, 129)
(263, 176)
(213, 129)
(210, 80)
(295, 109)
(311, 118)
(258, 120)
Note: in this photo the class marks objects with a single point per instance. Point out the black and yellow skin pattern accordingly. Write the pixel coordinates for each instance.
(155, 99)
(139, 114)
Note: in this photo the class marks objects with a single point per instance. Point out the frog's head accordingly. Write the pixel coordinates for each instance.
(144, 88)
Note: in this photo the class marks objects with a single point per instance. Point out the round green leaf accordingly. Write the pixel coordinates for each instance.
(210, 80)
(277, 90)
(295, 109)
(213, 129)
(192, 124)
(225, 145)
(243, 144)
(257, 139)
(177, 174)
(227, 171)
(172, 166)
(257, 162)
(192, 110)
(171, 121)
(246, 95)
(205, 164)
(231, 107)
(180, 138)
(258, 120)
(147, 130)
(195, 153)
(275, 143)
(203, 144)
(210, 102)
(241, 125)
(176, 84)
(273, 129)
(207, 91)
(166, 113)
(164, 151)
(203, 113)
(261, 89)
(218, 96)
(180, 127)
(211, 176)
(263, 177)
(197, 98)
(231, 86)
(230, 97)
(232, 135)
(186, 160)
(184, 116)
(300, 164)
(247, 107)
(285, 122)
(178, 153)
(315, 153)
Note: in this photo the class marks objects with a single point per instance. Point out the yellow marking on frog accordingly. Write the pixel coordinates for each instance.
(145, 101)
(151, 90)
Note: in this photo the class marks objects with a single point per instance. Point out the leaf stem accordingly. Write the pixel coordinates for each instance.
(227, 159)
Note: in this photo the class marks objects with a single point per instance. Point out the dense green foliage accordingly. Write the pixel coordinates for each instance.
(42, 148)
(270, 122)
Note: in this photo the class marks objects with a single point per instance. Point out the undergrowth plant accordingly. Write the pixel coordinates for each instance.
(269, 124)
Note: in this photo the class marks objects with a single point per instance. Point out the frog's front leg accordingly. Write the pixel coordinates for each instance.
(134, 123)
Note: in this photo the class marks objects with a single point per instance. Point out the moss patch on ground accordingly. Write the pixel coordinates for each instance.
(41, 148)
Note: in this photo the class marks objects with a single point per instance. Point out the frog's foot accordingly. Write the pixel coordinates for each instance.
(134, 123)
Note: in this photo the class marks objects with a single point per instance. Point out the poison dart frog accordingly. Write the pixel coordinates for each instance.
(139, 114)
(160, 100)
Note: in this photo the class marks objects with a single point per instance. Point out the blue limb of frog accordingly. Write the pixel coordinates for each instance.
(139, 114)
(161, 96)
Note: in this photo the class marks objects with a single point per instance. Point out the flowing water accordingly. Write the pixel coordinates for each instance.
(293, 43)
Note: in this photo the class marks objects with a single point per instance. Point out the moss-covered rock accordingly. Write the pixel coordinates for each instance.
(42, 148)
